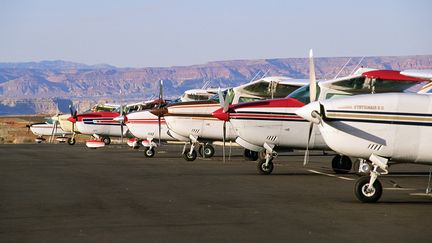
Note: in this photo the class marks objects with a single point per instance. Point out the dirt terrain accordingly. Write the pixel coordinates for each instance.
(13, 129)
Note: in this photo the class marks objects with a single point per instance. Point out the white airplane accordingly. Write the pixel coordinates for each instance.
(194, 120)
(68, 126)
(147, 127)
(102, 125)
(272, 126)
(49, 128)
(382, 128)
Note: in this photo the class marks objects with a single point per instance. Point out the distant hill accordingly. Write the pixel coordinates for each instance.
(20, 83)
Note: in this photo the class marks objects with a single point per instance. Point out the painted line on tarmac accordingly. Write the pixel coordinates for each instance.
(399, 189)
(330, 175)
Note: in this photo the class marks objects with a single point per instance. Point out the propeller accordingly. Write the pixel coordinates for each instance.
(121, 122)
(224, 105)
(160, 105)
(312, 98)
(73, 118)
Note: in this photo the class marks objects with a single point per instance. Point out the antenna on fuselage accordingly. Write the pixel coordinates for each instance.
(256, 75)
(358, 64)
(265, 74)
(343, 67)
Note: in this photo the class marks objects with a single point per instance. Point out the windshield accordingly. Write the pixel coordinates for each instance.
(228, 95)
(302, 94)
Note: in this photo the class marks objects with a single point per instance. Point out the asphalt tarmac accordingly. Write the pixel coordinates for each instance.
(62, 193)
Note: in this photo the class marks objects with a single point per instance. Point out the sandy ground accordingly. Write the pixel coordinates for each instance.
(13, 129)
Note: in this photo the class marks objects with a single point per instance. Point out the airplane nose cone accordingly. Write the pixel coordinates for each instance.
(221, 115)
(119, 119)
(307, 112)
(71, 119)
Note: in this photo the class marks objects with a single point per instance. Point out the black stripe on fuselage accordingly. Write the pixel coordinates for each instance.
(268, 119)
(265, 112)
(327, 119)
(381, 113)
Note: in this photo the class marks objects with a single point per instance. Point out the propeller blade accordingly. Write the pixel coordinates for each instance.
(160, 129)
(160, 106)
(52, 134)
(221, 98)
(71, 111)
(312, 78)
(121, 130)
(306, 157)
(160, 92)
(223, 140)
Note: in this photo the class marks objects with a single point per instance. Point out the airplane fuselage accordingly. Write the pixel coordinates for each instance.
(397, 126)
(196, 119)
(145, 125)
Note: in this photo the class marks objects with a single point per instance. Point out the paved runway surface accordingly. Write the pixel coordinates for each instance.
(61, 193)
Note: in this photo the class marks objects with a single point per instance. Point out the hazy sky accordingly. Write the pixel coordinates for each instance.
(165, 33)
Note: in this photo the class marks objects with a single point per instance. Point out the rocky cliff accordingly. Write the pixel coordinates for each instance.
(39, 87)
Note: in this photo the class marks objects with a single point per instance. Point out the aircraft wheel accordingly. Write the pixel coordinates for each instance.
(106, 140)
(149, 152)
(263, 169)
(208, 151)
(190, 157)
(250, 155)
(362, 192)
(71, 141)
(341, 164)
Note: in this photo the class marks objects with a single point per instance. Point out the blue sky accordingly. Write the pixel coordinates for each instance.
(166, 33)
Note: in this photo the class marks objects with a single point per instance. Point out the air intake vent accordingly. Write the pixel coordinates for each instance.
(375, 147)
(271, 138)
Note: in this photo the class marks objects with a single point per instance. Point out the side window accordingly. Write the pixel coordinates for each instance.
(243, 99)
(337, 95)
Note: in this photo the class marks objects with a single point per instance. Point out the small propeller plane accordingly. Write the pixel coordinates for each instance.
(271, 126)
(194, 120)
(102, 125)
(49, 128)
(384, 129)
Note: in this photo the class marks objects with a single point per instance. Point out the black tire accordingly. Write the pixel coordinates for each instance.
(200, 150)
(208, 151)
(265, 170)
(262, 155)
(341, 164)
(106, 140)
(250, 155)
(149, 153)
(71, 141)
(190, 157)
(367, 197)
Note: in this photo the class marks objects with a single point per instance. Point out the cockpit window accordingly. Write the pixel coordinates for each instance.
(372, 85)
(224, 94)
(302, 94)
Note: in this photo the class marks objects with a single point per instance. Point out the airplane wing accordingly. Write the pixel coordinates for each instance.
(276, 87)
(373, 81)
(424, 74)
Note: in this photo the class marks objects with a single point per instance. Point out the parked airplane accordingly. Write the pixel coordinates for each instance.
(272, 126)
(193, 120)
(383, 128)
(48, 128)
(69, 126)
(102, 125)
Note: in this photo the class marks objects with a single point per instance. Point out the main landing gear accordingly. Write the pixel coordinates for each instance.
(205, 150)
(341, 164)
(368, 189)
(250, 155)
